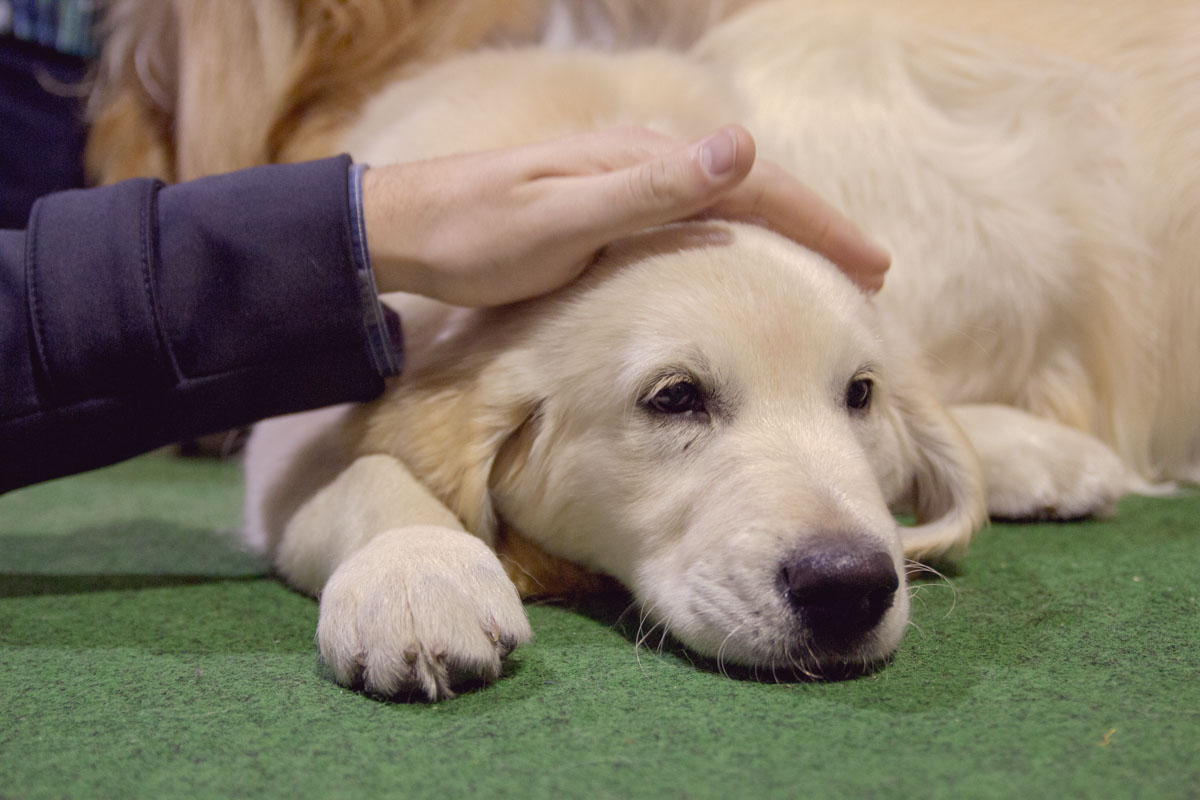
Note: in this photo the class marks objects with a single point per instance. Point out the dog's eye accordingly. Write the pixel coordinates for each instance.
(680, 397)
(858, 394)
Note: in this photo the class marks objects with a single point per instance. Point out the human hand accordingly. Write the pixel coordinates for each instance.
(494, 227)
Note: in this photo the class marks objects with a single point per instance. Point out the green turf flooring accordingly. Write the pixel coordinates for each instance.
(143, 654)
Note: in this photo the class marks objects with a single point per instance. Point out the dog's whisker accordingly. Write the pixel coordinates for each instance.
(637, 636)
(666, 633)
(812, 659)
(721, 649)
(620, 617)
(916, 567)
(932, 357)
(637, 650)
(972, 339)
(912, 567)
(648, 634)
(798, 667)
(641, 638)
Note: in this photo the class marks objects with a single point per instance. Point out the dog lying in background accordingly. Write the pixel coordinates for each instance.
(717, 418)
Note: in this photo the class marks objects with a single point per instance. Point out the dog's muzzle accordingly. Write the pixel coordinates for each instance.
(840, 589)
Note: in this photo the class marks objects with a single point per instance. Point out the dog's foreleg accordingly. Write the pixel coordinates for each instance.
(374, 494)
(410, 602)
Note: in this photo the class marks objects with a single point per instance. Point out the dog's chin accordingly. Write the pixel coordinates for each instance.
(775, 645)
(799, 656)
(802, 668)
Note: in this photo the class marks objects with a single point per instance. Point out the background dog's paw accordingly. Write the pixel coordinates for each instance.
(1035, 468)
(419, 612)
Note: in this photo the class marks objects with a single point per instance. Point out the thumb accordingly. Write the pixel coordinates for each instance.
(679, 184)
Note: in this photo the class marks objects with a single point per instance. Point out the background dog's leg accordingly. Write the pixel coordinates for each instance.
(410, 602)
(1036, 468)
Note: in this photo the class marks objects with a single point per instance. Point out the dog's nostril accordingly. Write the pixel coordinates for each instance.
(840, 589)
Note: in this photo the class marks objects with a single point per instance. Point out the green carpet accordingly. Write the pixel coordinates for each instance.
(143, 654)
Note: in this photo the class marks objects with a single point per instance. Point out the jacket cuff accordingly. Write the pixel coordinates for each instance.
(90, 293)
(160, 313)
(381, 323)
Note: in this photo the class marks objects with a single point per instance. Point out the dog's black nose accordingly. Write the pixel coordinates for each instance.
(841, 589)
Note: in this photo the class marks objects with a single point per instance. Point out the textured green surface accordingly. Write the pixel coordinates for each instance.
(143, 654)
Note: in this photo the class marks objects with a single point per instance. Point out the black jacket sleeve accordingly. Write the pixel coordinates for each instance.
(136, 315)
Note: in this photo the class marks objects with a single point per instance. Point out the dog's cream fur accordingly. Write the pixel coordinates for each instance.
(1040, 193)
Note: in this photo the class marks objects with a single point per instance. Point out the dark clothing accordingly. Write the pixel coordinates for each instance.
(42, 129)
(136, 315)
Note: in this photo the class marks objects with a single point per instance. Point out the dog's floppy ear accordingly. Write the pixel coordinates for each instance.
(535, 572)
(448, 426)
(947, 493)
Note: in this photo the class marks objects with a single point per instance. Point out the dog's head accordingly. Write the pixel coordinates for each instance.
(714, 418)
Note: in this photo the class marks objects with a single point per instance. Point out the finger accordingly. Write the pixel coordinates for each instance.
(771, 196)
(676, 185)
(596, 152)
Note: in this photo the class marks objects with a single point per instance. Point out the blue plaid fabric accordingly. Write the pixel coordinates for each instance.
(67, 26)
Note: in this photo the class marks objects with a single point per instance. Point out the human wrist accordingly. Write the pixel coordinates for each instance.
(387, 225)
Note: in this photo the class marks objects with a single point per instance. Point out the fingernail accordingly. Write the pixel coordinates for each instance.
(718, 152)
(880, 258)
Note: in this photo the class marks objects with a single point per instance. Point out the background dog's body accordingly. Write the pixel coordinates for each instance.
(992, 96)
(1045, 245)
(1040, 198)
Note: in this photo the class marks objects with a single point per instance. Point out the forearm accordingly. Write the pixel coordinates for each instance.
(137, 315)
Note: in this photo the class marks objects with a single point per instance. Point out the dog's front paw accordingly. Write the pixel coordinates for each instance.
(419, 611)
(1036, 468)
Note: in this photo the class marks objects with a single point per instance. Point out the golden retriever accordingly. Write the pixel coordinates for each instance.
(717, 418)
